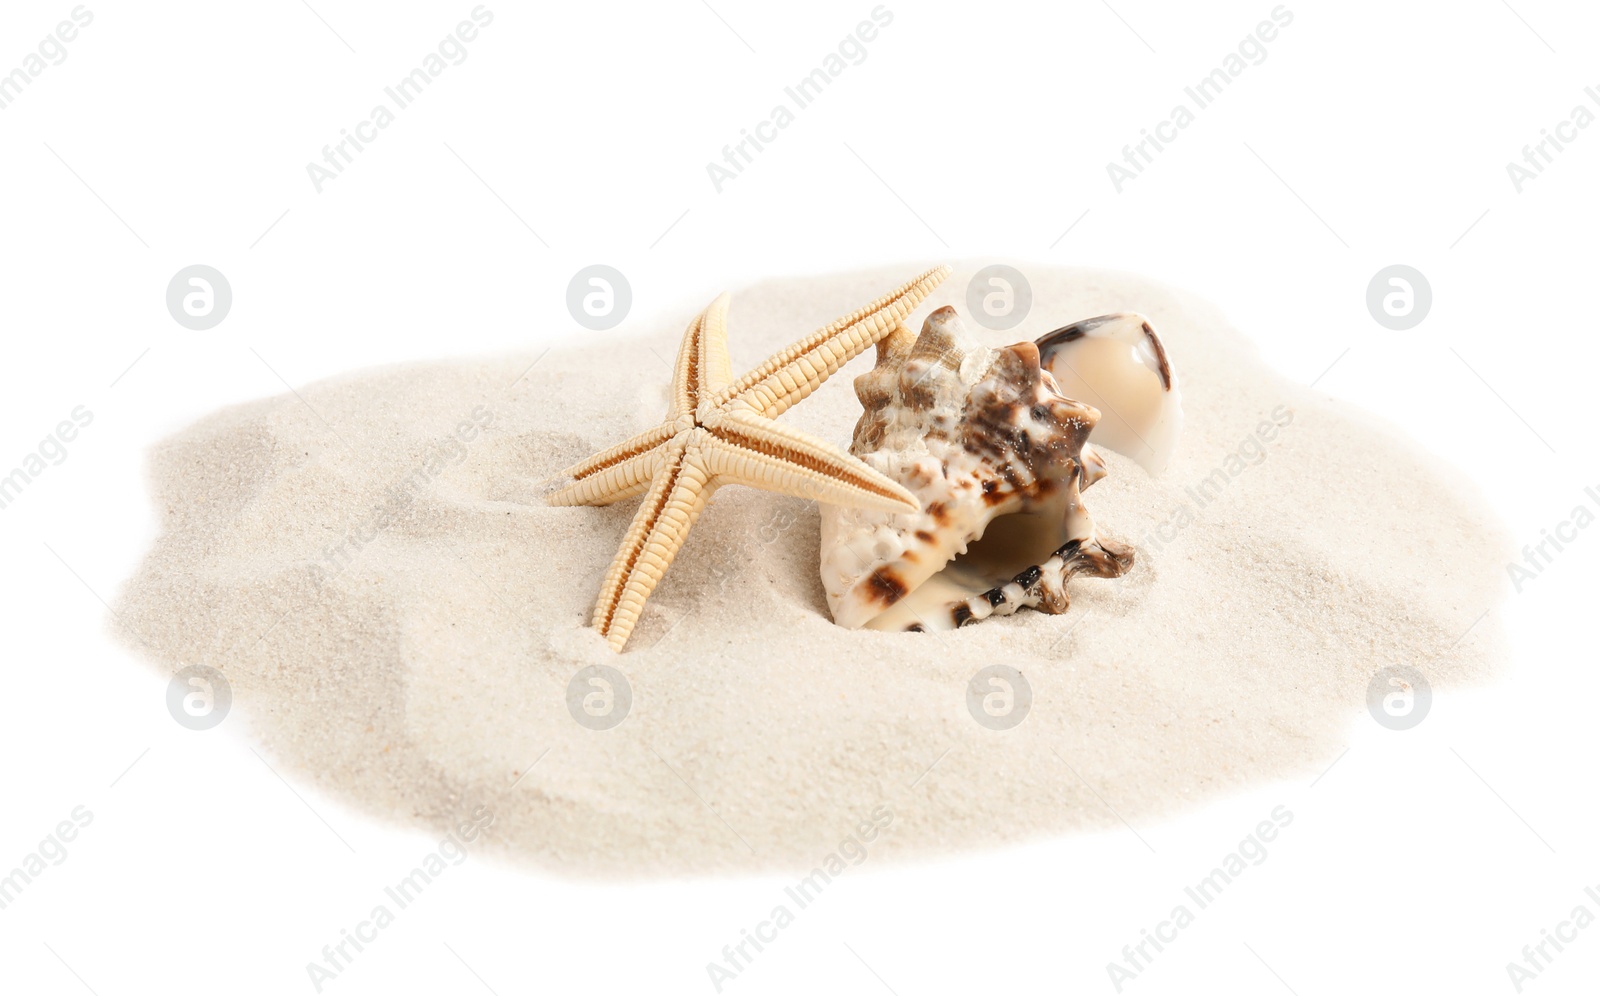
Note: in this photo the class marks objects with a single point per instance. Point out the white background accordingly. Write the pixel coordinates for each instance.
(1374, 133)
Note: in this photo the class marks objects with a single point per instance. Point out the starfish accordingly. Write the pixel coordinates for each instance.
(721, 431)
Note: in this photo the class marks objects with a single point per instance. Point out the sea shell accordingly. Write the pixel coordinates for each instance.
(998, 457)
(1118, 364)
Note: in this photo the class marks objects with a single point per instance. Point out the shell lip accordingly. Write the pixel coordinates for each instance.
(1078, 330)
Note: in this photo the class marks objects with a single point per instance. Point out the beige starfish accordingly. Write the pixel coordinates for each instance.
(721, 431)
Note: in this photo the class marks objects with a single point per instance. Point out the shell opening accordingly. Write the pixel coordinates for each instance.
(1010, 547)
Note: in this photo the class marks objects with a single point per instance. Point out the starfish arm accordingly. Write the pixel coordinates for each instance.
(702, 367)
(790, 376)
(614, 473)
(679, 493)
(760, 453)
(716, 369)
(686, 370)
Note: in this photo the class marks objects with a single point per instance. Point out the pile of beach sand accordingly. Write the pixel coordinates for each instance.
(372, 566)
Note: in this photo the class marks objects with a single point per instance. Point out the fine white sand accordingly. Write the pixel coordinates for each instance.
(420, 675)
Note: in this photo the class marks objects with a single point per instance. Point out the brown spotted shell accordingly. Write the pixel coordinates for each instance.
(976, 435)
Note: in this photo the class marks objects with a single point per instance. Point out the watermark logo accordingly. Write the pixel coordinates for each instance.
(1252, 451)
(1399, 297)
(734, 559)
(51, 452)
(1139, 955)
(199, 697)
(852, 850)
(451, 852)
(851, 51)
(451, 51)
(199, 297)
(1541, 154)
(1251, 51)
(52, 51)
(51, 852)
(1538, 556)
(1399, 697)
(598, 297)
(999, 297)
(999, 697)
(599, 697)
(1538, 956)
(441, 454)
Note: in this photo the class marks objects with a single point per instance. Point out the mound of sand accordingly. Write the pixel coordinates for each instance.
(400, 615)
